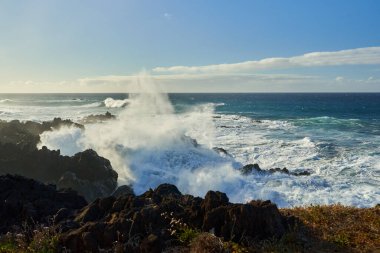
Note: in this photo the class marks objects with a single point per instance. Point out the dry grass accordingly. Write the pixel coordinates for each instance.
(350, 228)
(40, 239)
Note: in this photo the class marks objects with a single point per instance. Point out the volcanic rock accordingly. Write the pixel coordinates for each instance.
(90, 175)
(24, 200)
(142, 223)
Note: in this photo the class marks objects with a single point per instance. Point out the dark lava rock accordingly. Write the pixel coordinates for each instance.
(250, 168)
(27, 134)
(90, 119)
(167, 190)
(26, 200)
(90, 175)
(221, 151)
(123, 190)
(213, 200)
(142, 223)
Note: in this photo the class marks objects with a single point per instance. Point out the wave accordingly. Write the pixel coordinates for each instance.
(115, 103)
(95, 104)
(6, 100)
(149, 144)
(327, 120)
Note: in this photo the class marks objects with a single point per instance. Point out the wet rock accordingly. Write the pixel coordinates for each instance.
(284, 170)
(301, 173)
(90, 119)
(249, 168)
(221, 151)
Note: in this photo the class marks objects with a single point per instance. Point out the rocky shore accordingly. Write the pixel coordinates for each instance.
(55, 203)
(87, 173)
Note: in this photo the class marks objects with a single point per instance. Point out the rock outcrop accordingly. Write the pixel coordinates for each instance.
(250, 168)
(24, 201)
(90, 119)
(87, 173)
(27, 134)
(143, 223)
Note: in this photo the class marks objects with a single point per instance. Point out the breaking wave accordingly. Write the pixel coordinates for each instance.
(150, 144)
(115, 103)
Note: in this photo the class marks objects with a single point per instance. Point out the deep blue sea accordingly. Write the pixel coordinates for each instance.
(334, 136)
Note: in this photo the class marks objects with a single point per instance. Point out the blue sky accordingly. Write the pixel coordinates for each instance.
(99, 46)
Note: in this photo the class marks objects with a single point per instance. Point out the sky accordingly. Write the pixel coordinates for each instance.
(190, 46)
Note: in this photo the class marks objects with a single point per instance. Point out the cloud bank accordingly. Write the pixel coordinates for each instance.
(248, 76)
(358, 56)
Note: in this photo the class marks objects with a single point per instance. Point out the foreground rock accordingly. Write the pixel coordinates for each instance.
(90, 175)
(25, 200)
(149, 222)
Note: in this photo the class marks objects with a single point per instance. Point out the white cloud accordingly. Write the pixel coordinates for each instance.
(339, 78)
(359, 56)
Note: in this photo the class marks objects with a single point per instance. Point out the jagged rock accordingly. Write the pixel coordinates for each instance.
(213, 200)
(26, 134)
(90, 119)
(250, 168)
(26, 200)
(89, 174)
(123, 190)
(301, 173)
(257, 219)
(221, 151)
(167, 190)
(283, 170)
(142, 223)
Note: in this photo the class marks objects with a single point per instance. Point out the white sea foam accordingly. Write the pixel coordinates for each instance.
(149, 144)
(6, 100)
(115, 103)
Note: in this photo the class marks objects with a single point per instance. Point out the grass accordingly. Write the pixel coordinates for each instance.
(39, 240)
(355, 229)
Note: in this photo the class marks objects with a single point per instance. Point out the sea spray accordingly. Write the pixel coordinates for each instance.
(149, 144)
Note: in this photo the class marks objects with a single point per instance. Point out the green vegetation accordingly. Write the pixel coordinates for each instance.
(41, 240)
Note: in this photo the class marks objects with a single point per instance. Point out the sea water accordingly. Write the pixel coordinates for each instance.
(159, 138)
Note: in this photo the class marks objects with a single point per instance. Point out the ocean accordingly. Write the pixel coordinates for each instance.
(334, 136)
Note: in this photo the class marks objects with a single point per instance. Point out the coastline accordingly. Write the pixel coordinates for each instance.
(297, 229)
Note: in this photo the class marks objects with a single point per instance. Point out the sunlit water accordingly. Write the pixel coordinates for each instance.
(334, 136)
